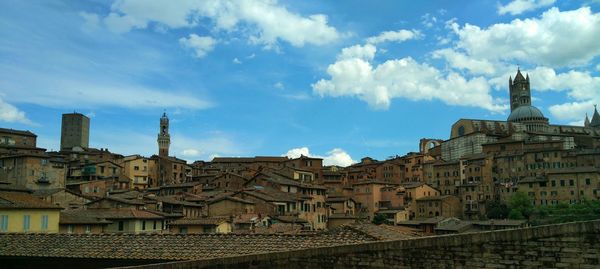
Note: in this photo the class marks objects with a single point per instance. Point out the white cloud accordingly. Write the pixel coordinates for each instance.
(366, 52)
(428, 20)
(403, 78)
(461, 61)
(266, 20)
(10, 113)
(300, 96)
(335, 156)
(236, 61)
(395, 36)
(573, 111)
(279, 85)
(517, 7)
(190, 153)
(555, 39)
(200, 44)
(210, 144)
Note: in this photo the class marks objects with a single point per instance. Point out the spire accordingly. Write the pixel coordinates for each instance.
(519, 76)
(595, 118)
(586, 123)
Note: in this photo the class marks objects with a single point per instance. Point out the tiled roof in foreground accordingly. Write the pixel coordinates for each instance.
(167, 246)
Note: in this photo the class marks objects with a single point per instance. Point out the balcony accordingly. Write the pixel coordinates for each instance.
(43, 180)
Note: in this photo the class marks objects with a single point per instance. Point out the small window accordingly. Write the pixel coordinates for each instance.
(26, 222)
(143, 225)
(121, 226)
(70, 229)
(4, 223)
(88, 229)
(44, 222)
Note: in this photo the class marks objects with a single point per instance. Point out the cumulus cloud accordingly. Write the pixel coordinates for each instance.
(461, 61)
(236, 61)
(556, 39)
(366, 52)
(10, 113)
(335, 156)
(395, 36)
(517, 7)
(403, 78)
(266, 20)
(200, 44)
(573, 111)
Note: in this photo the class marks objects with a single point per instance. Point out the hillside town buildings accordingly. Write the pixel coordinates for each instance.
(84, 190)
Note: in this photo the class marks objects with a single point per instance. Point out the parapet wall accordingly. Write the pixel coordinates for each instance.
(570, 245)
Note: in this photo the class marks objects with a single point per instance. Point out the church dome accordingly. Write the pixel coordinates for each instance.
(526, 113)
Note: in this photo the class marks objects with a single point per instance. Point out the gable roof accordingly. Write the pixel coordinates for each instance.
(81, 217)
(119, 213)
(22, 200)
(200, 221)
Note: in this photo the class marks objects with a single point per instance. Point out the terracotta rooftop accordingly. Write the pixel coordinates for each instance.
(199, 221)
(22, 200)
(80, 217)
(118, 213)
(167, 246)
(385, 232)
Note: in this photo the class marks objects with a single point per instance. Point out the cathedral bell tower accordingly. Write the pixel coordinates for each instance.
(164, 140)
(520, 93)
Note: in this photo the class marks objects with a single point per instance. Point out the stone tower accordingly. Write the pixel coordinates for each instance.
(520, 93)
(75, 131)
(164, 140)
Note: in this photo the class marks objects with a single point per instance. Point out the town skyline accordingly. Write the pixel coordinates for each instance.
(222, 84)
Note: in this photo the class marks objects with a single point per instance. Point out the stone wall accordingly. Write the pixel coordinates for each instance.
(570, 245)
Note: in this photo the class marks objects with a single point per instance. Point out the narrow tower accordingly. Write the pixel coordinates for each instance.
(164, 140)
(75, 131)
(520, 93)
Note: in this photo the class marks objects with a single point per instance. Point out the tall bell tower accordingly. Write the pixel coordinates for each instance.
(164, 140)
(520, 92)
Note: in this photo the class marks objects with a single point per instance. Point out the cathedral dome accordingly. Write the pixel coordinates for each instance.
(526, 113)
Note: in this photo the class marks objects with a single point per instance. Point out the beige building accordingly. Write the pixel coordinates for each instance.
(447, 206)
(201, 226)
(140, 170)
(21, 212)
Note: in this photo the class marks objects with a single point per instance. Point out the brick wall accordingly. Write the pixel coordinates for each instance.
(571, 245)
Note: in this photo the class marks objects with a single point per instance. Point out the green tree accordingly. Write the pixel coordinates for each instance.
(379, 219)
(497, 210)
(515, 214)
(520, 202)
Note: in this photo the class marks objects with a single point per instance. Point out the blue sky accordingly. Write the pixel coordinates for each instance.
(265, 77)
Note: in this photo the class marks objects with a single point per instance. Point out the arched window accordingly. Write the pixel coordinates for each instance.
(461, 130)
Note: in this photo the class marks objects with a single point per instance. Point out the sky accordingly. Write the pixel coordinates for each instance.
(340, 80)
